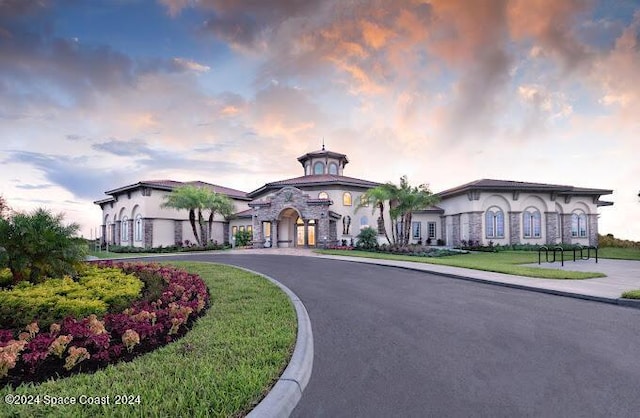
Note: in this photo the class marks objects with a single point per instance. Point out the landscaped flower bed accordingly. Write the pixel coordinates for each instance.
(413, 250)
(172, 300)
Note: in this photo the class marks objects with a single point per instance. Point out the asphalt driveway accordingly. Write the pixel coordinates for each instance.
(393, 342)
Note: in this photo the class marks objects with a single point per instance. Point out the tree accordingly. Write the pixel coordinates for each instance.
(219, 204)
(195, 200)
(403, 200)
(4, 208)
(376, 198)
(38, 245)
(409, 199)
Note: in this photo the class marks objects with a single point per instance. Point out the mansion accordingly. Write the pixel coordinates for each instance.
(324, 207)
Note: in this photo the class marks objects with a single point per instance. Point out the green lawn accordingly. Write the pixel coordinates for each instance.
(222, 367)
(619, 253)
(500, 262)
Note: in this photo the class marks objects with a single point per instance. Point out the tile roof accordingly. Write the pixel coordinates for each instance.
(172, 184)
(315, 180)
(508, 185)
(247, 213)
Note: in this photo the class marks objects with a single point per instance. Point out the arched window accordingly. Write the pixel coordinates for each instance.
(318, 168)
(494, 223)
(346, 199)
(531, 222)
(124, 229)
(363, 200)
(138, 228)
(323, 195)
(578, 224)
(333, 168)
(364, 222)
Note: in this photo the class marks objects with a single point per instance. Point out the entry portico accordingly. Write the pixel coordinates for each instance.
(291, 218)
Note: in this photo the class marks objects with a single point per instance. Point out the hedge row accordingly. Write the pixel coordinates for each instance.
(87, 344)
(96, 291)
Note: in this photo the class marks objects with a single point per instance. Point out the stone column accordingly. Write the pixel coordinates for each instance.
(274, 234)
(593, 229)
(177, 232)
(225, 233)
(514, 227)
(566, 228)
(455, 230)
(130, 232)
(475, 226)
(306, 232)
(324, 230)
(443, 230)
(148, 232)
(551, 227)
(258, 236)
(117, 234)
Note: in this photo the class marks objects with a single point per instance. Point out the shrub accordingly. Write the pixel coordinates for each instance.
(37, 245)
(243, 238)
(34, 354)
(98, 291)
(367, 239)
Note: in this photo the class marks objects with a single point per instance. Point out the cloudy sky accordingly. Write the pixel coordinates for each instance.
(98, 94)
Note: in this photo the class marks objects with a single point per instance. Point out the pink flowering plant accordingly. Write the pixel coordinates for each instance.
(171, 301)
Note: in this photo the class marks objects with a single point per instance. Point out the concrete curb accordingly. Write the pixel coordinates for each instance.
(287, 391)
(630, 303)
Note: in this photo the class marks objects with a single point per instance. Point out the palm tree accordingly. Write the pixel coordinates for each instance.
(403, 201)
(376, 197)
(38, 245)
(219, 204)
(194, 199)
(408, 200)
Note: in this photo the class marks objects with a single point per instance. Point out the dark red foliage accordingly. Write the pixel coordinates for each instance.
(151, 320)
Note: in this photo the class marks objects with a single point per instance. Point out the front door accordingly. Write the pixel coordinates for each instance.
(299, 233)
(311, 229)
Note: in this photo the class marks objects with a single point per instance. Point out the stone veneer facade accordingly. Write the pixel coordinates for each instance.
(475, 226)
(551, 227)
(148, 232)
(271, 208)
(514, 227)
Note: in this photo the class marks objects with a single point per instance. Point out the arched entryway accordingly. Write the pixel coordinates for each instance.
(295, 231)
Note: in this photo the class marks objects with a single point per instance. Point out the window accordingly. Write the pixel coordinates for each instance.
(138, 228)
(431, 230)
(364, 222)
(250, 229)
(234, 231)
(494, 223)
(323, 195)
(531, 223)
(333, 168)
(578, 224)
(416, 230)
(363, 200)
(318, 168)
(241, 228)
(346, 199)
(124, 229)
(266, 230)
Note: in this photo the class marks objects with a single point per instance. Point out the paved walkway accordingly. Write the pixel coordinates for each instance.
(622, 275)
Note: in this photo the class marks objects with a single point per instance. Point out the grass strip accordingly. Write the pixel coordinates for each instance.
(508, 262)
(222, 367)
(619, 253)
(631, 294)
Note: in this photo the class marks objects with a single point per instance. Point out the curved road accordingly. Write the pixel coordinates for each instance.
(394, 342)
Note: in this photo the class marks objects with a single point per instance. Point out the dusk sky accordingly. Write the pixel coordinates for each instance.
(99, 94)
